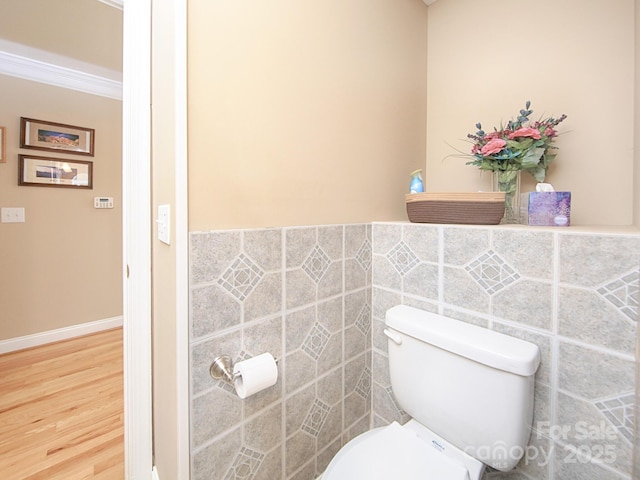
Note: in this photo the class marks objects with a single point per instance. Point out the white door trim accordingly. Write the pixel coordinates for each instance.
(182, 238)
(136, 195)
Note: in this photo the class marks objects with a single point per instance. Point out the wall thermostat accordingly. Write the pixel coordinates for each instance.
(103, 202)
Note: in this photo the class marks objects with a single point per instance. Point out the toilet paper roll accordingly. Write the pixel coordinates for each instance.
(255, 374)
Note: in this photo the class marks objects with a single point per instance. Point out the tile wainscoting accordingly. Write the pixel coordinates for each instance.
(575, 295)
(315, 298)
(303, 294)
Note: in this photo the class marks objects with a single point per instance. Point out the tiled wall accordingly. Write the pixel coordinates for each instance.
(302, 294)
(305, 295)
(573, 294)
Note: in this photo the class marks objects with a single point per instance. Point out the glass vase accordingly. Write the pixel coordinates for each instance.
(508, 181)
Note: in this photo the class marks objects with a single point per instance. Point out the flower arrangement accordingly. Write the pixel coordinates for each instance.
(521, 145)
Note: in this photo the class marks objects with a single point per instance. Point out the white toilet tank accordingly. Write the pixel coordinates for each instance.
(470, 385)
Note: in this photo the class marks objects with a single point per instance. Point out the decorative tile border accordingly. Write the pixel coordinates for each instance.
(363, 257)
(491, 272)
(363, 387)
(619, 411)
(402, 258)
(622, 293)
(316, 417)
(316, 341)
(245, 465)
(316, 264)
(241, 278)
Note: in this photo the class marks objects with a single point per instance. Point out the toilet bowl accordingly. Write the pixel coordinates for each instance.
(408, 452)
(468, 391)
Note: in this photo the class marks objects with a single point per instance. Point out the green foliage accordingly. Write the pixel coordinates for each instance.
(522, 145)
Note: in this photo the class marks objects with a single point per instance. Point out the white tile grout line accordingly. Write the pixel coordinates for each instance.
(490, 249)
(241, 330)
(342, 360)
(283, 364)
(555, 283)
(555, 351)
(441, 270)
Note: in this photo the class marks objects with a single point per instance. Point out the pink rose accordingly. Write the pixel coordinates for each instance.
(525, 132)
(550, 132)
(493, 146)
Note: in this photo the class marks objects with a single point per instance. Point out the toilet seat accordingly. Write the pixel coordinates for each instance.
(392, 452)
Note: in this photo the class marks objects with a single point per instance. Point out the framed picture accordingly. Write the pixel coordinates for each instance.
(3, 143)
(54, 172)
(56, 137)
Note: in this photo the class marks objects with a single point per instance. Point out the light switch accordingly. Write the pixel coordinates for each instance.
(12, 215)
(164, 223)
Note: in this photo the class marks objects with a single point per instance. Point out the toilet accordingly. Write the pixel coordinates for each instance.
(469, 392)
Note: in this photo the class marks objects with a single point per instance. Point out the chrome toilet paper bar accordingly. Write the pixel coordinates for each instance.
(222, 369)
(249, 376)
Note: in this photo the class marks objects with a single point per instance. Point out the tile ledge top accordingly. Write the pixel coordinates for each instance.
(604, 229)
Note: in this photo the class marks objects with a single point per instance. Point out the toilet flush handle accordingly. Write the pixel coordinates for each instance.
(394, 337)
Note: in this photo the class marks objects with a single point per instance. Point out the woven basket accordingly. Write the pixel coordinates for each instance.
(477, 208)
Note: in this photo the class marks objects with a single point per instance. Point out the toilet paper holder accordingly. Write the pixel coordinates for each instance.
(222, 369)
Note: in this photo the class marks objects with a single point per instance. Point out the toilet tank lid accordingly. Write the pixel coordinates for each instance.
(475, 343)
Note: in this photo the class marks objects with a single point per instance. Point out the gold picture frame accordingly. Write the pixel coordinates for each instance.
(3, 145)
(56, 137)
(54, 172)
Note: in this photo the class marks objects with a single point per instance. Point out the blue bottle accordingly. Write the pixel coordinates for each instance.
(416, 185)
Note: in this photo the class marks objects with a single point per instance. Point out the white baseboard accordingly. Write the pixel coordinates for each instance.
(154, 474)
(28, 341)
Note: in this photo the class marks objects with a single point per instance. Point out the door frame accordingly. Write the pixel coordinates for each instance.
(136, 241)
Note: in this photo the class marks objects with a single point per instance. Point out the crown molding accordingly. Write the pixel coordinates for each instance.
(428, 2)
(115, 3)
(43, 67)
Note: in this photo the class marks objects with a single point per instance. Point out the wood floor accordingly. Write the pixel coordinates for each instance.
(61, 410)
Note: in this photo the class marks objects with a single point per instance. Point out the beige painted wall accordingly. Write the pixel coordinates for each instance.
(166, 415)
(61, 267)
(304, 112)
(576, 57)
(636, 135)
(84, 30)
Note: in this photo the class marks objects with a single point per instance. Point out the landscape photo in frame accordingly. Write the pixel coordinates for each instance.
(56, 137)
(54, 172)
